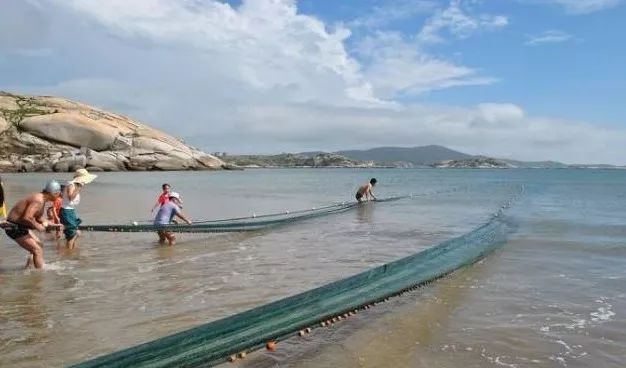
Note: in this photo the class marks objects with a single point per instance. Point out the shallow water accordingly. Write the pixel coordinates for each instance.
(553, 296)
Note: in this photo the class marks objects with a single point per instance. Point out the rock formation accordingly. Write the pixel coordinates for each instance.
(295, 160)
(478, 162)
(46, 133)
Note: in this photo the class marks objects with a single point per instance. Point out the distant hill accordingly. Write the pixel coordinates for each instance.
(294, 160)
(536, 164)
(400, 157)
(424, 155)
(476, 162)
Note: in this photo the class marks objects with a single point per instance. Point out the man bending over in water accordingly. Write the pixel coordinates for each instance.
(365, 190)
(166, 214)
(27, 215)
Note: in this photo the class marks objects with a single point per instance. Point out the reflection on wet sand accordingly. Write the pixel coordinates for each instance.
(409, 330)
(24, 317)
(365, 213)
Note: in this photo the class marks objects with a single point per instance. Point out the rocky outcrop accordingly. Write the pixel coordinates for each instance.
(4, 125)
(295, 160)
(478, 162)
(46, 133)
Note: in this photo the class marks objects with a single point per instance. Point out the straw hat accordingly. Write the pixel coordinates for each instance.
(82, 176)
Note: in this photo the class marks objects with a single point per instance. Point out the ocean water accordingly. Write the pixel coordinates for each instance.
(552, 296)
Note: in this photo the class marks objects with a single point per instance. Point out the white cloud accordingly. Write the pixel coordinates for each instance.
(499, 113)
(459, 22)
(584, 6)
(552, 36)
(263, 78)
(396, 66)
(391, 11)
(263, 43)
(268, 46)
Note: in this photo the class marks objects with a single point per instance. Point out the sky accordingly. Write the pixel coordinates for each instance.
(521, 79)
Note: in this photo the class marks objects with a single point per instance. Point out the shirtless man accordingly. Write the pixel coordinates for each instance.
(28, 215)
(365, 190)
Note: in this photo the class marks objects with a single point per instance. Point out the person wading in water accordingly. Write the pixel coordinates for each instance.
(166, 214)
(71, 199)
(27, 215)
(365, 190)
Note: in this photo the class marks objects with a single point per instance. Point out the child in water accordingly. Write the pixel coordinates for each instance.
(53, 214)
(163, 198)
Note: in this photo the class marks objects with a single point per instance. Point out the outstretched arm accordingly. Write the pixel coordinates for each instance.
(371, 194)
(157, 204)
(374, 197)
(183, 217)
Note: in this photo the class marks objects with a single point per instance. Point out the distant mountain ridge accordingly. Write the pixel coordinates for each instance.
(421, 155)
(399, 157)
(433, 155)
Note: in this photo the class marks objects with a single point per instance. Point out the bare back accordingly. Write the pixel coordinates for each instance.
(28, 210)
(365, 189)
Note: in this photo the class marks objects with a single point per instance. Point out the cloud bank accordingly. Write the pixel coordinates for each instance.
(262, 77)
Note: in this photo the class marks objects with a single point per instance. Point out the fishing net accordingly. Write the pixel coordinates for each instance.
(215, 342)
(240, 224)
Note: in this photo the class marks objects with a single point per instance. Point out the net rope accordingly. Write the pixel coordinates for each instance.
(248, 223)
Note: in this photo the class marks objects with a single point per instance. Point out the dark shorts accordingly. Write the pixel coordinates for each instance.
(17, 231)
(161, 228)
(359, 196)
(70, 222)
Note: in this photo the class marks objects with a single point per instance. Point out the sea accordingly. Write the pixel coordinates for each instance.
(553, 294)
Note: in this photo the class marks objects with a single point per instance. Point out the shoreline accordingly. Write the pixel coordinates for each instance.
(617, 168)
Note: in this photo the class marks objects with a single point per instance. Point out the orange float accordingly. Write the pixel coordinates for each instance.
(271, 345)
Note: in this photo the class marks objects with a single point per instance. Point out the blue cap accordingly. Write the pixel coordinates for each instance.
(52, 187)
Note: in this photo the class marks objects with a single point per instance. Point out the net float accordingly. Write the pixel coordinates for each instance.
(271, 345)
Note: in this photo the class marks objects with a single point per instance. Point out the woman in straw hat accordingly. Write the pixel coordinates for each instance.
(71, 198)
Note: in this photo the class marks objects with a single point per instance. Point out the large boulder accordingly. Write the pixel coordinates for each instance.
(4, 124)
(70, 163)
(6, 165)
(209, 161)
(179, 151)
(74, 129)
(106, 161)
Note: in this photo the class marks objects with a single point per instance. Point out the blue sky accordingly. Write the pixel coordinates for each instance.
(580, 75)
(525, 79)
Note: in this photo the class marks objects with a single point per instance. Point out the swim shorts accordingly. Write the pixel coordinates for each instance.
(17, 231)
